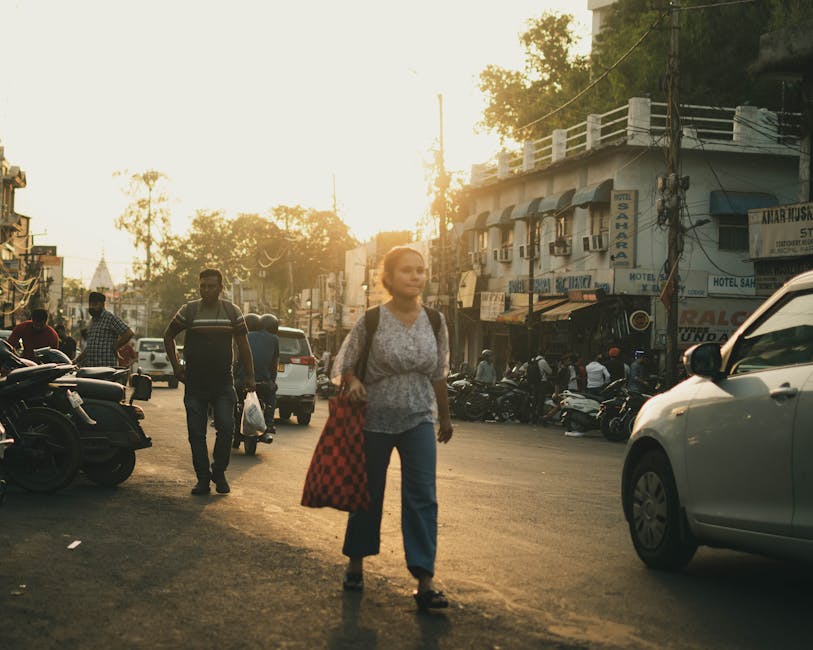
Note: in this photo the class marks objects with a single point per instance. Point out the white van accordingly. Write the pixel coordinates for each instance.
(152, 359)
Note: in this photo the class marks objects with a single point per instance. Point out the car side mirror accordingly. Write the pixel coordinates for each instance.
(704, 360)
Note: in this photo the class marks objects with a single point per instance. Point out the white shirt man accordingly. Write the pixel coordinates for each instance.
(597, 375)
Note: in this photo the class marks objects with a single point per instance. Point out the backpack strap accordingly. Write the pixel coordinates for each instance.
(371, 318)
(434, 319)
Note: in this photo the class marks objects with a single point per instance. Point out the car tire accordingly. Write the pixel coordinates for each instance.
(655, 517)
(303, 418)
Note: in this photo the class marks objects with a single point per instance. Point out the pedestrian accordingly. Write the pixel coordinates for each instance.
(539, 375)
(581, 372)
(597, 375)
(34, 333)
(67, 344)
(211, 324)
(486, 371)
(638, 372)
(106, 334)
(615, 364)
(403, 384)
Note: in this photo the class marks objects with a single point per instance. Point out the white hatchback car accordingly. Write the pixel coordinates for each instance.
(296, 376)
(152, 359)
(725, 458)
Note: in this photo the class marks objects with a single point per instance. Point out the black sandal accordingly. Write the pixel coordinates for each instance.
(353, 581)
(430, 599)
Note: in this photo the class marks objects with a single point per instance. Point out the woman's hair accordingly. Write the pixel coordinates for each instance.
(391, 260)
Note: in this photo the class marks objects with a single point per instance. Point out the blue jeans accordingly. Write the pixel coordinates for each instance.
(197, 402)
(417, 448)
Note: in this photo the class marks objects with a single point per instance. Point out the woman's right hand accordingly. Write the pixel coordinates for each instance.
(356, 391)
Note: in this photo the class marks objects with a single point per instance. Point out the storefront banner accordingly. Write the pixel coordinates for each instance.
(732, 285)
(492, 304)
(560, 283)
(623, 226)
(781, 231)
(649, 282)
(705, 320)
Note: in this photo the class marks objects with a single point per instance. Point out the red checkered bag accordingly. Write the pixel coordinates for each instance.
(337, 477)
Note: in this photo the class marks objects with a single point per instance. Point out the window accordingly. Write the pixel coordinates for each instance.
(783, 338)
(480, 240)
(564, 224)
(506, 237)
(599, 218)
(733, 232)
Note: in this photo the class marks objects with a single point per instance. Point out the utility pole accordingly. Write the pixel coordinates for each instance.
(672, 202)
(532, 234)
(442, 184)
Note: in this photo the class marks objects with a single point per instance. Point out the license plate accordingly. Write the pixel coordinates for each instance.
(280, 367)
(75, 399)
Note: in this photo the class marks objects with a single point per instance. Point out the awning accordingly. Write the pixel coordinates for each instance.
(555, 202)
(524, 210)
(476, 222)
(725, 202)
(500, 218)
(598, 193)
(563, 311)
(519, 315)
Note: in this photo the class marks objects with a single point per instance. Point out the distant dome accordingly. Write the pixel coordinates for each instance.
(101, 281)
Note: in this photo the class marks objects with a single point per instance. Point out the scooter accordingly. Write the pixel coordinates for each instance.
(112, 432)
(579, 411)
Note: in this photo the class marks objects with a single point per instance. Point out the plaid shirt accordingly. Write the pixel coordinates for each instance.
(103, 332)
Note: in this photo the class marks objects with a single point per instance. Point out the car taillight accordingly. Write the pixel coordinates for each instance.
(304, 361)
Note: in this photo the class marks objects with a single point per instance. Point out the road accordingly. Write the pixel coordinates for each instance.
(533, 551)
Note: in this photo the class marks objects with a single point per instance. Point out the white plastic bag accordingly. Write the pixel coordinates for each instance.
(253, 423)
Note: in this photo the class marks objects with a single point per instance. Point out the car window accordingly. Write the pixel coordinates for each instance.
(783, 338)
(293, 345)
(151, 346)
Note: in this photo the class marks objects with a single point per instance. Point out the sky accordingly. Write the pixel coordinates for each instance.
(244, 105)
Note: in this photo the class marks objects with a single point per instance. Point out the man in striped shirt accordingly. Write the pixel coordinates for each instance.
(211, 325)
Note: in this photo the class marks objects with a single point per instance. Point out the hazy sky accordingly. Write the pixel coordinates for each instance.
(244, 105)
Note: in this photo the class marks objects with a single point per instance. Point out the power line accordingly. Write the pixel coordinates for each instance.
(717, 4)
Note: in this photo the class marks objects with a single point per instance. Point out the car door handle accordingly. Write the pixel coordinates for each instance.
(785, 390)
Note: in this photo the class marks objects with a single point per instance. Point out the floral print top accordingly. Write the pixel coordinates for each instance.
(403, 363)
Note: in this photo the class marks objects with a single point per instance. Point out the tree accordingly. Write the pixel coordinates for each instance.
(553, 74)
(146, 217)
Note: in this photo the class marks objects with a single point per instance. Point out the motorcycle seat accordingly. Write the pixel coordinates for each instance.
(95, 388)
(98, 372)
(30, 372)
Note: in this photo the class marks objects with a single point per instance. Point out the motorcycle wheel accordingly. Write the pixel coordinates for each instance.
(475, 408)
(113, 471)
(47, 451)
(609, 426)
(507, 410)
(250, 445)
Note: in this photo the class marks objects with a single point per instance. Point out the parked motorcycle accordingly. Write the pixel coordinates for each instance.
(5, 441)
(46, 452)
(618, 427)
(581, 410)
(112, 433)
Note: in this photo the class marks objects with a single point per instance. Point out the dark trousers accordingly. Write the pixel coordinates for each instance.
(197, 402)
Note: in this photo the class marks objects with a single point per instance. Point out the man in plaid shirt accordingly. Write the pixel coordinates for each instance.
(107, 333)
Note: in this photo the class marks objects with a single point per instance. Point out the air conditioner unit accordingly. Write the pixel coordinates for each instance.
(525, 251)
(506, 254)
(560, 247)
(595, 242)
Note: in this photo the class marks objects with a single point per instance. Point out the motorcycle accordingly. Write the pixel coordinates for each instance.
(112, 432)
(618, 428)
(39, 416)
(250, 441)
(581, 411)
(4, 442)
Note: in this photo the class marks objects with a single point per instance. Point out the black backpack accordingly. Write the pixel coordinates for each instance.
(371, 318)
(532, 372)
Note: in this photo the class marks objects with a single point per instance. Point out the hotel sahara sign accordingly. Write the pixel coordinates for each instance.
(623, 222)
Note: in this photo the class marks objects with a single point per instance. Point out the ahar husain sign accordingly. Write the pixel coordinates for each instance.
(781, 231)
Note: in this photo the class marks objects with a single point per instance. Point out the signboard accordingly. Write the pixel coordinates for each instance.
(465, 291)
(12, 265)
(640, 320)
(623, 226)
(732, 285)
(649, 282)
(557, 284)
(706, 321)
(772, 274)
(781, 231)
(43, 250)
(492, 304)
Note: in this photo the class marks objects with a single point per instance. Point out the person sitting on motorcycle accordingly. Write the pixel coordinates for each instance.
(615, 364)
(265, 354)
(486, 371)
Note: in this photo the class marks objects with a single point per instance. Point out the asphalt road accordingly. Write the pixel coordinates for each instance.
(533, 552)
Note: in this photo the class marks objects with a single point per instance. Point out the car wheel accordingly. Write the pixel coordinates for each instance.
(655, 515)
(303, 418)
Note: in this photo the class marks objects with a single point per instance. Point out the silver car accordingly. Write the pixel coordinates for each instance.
(296, 376)
(725, 458)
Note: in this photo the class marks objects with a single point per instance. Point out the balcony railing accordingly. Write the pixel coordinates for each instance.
(644, 123)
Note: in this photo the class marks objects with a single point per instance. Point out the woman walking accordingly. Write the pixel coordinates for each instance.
(403, 382)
